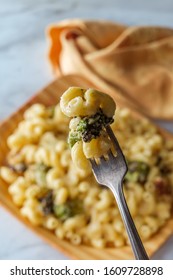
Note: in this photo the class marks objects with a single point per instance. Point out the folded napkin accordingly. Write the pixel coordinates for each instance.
(135, 64)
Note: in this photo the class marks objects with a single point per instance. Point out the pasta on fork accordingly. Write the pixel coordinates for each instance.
(91, 111)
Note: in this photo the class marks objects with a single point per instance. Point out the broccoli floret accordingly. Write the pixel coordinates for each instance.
(68, 209)
(73, 138)
(89, 128)
(137, 171)
(94, 125)
(82, 125)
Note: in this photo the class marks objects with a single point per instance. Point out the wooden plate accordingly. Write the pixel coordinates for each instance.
(49, 96)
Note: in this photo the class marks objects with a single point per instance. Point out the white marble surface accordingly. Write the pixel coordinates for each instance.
(24, 69)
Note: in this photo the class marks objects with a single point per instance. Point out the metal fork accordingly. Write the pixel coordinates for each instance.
(110, 172)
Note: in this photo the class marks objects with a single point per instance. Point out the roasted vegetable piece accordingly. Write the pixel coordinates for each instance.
(19, 168)
(137, 171)
(89, 128)
(68, 209)
(162, 186)
(47, 203)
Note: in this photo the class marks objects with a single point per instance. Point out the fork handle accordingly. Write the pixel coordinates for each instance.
(135, 240)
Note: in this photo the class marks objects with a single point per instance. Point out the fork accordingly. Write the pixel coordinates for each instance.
(110, 172)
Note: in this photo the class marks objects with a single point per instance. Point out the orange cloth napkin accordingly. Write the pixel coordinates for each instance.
(135, 64)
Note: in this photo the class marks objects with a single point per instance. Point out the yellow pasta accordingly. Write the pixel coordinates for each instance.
(119, 241)
(80, 102)
(54, 193)
(28, 153)
(74, 223)
(19, 185)
(54, 177)
(8, 174)
(91, 111)
(61, 195)
(75, 239)
(37, 110)
(97, 147)
(18, 140)
(33, 216)
(98, 243)
(78, 156)
(51, 223)
(60, 232)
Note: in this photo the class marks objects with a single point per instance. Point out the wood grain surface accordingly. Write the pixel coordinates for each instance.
(49, 96)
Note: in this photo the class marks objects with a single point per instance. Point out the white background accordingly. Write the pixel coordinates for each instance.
(24, 69)
(86, 270)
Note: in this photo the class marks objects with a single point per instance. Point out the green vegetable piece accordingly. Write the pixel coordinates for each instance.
(40, 174)
(89, 128)
(132, 177)
(82, 125)
(137, 171)
(73, 138)
(68, 209)
(63, 212)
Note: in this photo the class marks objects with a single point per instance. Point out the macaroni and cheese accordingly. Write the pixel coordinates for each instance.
(50, 191)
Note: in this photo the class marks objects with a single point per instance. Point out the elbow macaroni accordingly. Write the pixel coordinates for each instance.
(79, 103)
(48, 169)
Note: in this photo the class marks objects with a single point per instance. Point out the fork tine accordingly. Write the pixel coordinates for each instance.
(114, 141)
(102, 159)
(95, 169)
(112, 137)
(111, 156)
(93, 163)
(120, 156)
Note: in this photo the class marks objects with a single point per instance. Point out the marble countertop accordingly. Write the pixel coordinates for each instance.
(24, 69)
